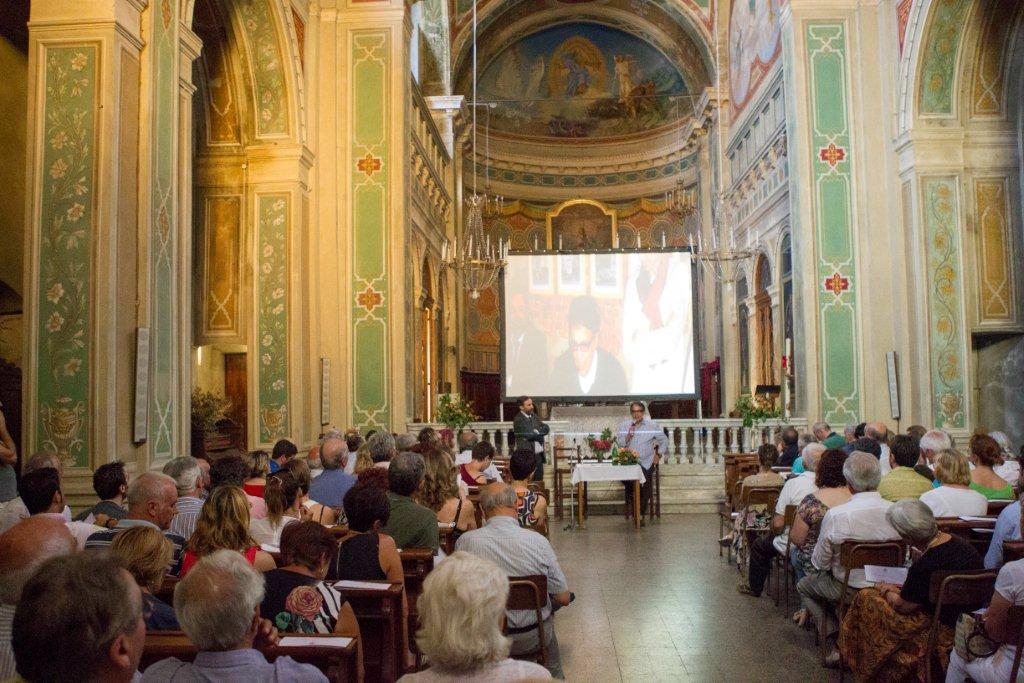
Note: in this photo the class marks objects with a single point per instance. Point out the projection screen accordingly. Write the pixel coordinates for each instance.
(599, 326)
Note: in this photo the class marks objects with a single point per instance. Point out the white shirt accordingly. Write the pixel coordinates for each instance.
(1009, 470)
(80, 530)
(862, 518)
(883, 460)
(15, 511)
(265, 533)
(947, 501)
(586, 381)
(491, 472)
(793, 493)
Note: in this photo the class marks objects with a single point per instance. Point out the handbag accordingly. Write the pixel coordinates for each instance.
(970, 640)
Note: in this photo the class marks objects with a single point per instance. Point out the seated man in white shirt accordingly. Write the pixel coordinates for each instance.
(468, 439)
(765, 548)
(15, 510)
(862, 518)
(42, 492)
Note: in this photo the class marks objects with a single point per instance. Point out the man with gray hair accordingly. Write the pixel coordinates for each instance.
(15, 510)
(764, 548)
(382, 448)
(151, 500)
(218, 605)
(823, 433)
(330, 487)
(405, 442)
(23, 548)
(862, 518)
(410, 524)
(519, 552)
(880, 433)
(188, 479)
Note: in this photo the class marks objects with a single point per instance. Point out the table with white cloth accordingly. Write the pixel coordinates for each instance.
(587, 472)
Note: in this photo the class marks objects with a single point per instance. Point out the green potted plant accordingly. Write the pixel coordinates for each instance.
(455, 412)
(207, 410)
(600, 446)
(755, 409)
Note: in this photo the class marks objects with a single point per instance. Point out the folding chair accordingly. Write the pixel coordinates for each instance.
(758, 495)
(855, 555)
(969, 589)
(530, 593)
(781, 564)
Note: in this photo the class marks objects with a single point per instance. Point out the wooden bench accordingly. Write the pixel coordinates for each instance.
(379, 613)
(339, 664)
(976, 532)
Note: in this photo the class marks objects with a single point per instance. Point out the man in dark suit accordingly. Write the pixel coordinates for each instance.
(584, 369)
(530, 431)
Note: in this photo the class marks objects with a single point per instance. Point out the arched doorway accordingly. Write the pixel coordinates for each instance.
(429, 353)
(743, 333)
(765, 355)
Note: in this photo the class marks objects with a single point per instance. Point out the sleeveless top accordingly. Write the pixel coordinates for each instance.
(467, 477)
(526, 502)
(255, 490)
(191, 558)
(1005, 493)
(358, 559)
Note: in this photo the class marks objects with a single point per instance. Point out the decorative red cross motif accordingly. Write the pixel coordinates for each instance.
(369, 299)
(369, 165)
(832, 155)
(837, 284)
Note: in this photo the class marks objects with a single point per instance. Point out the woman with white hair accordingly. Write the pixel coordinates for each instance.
(885, 630)
(461, 611)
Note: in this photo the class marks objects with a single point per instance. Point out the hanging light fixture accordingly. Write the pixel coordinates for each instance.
(476, 259)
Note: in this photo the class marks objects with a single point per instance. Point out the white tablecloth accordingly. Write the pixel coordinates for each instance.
(606, 472)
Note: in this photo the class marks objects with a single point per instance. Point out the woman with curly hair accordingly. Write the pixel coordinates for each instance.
(146, 554)
(297, 600)
(441, 492)
(223, 524)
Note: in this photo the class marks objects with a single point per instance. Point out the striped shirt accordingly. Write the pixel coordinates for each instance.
(103, 539)
(519, 552)
(186, 514)
(642, 437)
(7, 668)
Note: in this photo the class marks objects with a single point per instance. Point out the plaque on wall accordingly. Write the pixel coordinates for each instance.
(325, 391)
(141, 428)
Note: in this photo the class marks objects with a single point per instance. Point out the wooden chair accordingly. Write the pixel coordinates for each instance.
(339, 664)
(781, 563)
(725, 518)
(1013, 550)
(379, 613)
(767, 496)
(416, 564)
(446, 537)
(997, 506)
(964, 588)
(530, 593)
(857, 554)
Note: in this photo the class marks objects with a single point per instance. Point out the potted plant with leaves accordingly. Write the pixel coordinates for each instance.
(754, 410)
(207, 410)
(455, 412)
(600, 446)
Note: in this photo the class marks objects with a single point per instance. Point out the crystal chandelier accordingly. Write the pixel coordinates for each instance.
(476, 259)
(681, 202)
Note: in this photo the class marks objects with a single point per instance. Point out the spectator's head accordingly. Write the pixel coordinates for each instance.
(223, 523)
(366, 507)
(312, 458)
(829, 474)
(904, 450)
(353, 441)
(405, 476)
(229, 470)
(218, 602)
(917, 431)
(984, 450)
(850, 433)
(467, 439)
(299, 469)
(146, 554)
(790, 437)
(811, 454)
(109, 481)
(821, 430)
(439, 483)
(284, 450)
(767, 456)
(82, 611)
(522, 464)
(877, 431)
(428, 436)
(334, 454)
(374, 476)
(934, 441)
(862, 472)
(382, 447)
(259, 464)
(187, 475)
(40, 491)
(407, 442)
(44, 459)
(866, 444)
(152, 497)
(483, 453)
(308, 544)
(281, 495)
(461, 611)
(806, 439)
(204, 467)
(858, 431)
(24, 547)
(913, 521)
(584, 323)
(1004, 443)
(498, 499)
(951, 467)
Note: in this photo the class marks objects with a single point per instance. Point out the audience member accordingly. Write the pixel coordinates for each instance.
(1007, 529)
(284, 507)
(474, 473)
(23, 548)
(224, 525)
(382, 448)
(862, 518)
(866, 444)
(806, 439)
(880, 434)
(187, 474)
(531, 507)
(917, 431)
(441, 492)
(79, 618)
(985, 454)
(231, 470)
(364, 460)
(931, 444)
(858, 431)
(850, 434)
(330, 487)
(366, 554)
(828, 438)
(218, 605)
(110, 482)
(1008, 467)
(409, 523)
(313, 462)
(284, 450)
(790, 451)
(151, 499)
(374, 476)
(15, 510)
(428, 438)
(146, 554)
(41, 494)
(886, 629)
(259, 468)
(297, 600)
(467, 441)
(767, 456)
(903, 481)
(954, 496)
(519, 552)
(408, 442)
(299, 469)
(354, 442)
(461, 612)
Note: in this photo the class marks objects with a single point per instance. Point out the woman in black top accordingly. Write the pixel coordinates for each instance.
(365, 553)
(886, 628)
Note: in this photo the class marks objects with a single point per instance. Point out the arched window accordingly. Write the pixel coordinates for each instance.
(763, 315)
(743, 333)
(428, 342)
(786, 263)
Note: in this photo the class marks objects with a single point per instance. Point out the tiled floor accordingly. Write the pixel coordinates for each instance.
(660, 605)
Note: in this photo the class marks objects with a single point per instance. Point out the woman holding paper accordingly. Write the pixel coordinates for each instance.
(885, 630)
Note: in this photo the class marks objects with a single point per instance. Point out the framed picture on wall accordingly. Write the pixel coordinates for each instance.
(605, 277)
(541, 276)
(570, 274)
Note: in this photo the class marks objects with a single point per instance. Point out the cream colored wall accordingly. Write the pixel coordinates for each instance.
(13, 98)
(11, 338)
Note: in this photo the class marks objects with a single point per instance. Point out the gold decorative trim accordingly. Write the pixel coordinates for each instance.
(605, 209)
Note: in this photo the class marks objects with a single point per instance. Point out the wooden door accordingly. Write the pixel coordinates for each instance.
(236, 388)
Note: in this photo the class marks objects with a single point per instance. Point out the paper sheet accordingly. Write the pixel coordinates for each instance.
(299, 641)
(894, 575)
(968, 518)
(365, 585)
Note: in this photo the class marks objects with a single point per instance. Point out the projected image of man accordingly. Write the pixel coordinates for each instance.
(584, 368)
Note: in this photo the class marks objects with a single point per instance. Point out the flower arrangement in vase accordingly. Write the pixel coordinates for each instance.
(625, 456)
(599, 446)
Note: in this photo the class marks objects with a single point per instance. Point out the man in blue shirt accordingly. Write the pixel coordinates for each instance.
(644, 436)
(330, 487)
(284, 450)
(1007, 529)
